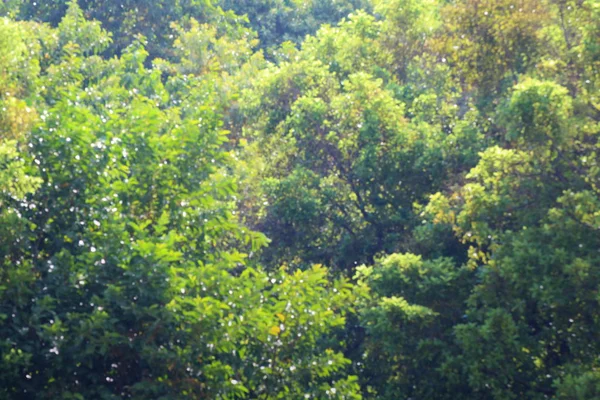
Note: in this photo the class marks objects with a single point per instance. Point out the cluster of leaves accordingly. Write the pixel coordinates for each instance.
(453, 148)
(346, 156)
(125, 271)
(274, 21)
(278, 21)
(128, 19)
(170, 192)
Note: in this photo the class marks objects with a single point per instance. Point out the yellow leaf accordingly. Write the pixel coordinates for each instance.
(281, 317)
(274, 330)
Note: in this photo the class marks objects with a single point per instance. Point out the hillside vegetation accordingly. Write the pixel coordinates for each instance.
(284, 199)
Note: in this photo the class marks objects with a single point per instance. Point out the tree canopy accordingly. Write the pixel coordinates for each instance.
(336, 199)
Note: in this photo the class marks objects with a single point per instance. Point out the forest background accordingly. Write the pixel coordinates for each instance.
(326, 199)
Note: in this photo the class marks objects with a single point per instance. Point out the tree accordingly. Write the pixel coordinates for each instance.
(531, 316)
(125, 272)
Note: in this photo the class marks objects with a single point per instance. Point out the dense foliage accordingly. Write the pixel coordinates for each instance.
(337, 199)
